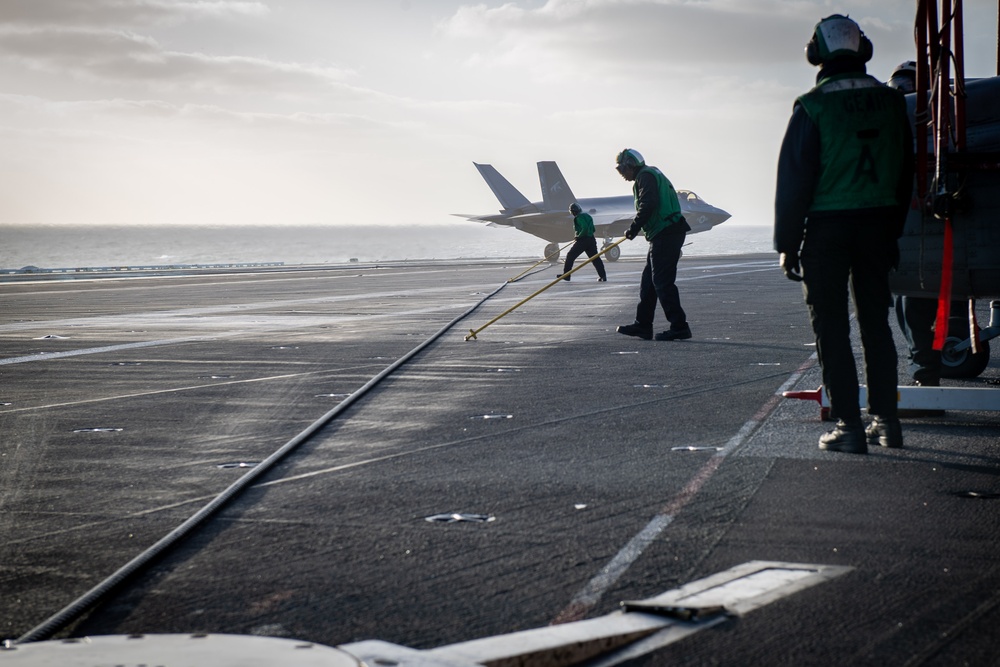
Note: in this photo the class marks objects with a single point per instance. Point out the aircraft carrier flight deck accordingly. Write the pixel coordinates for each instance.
(412, 486)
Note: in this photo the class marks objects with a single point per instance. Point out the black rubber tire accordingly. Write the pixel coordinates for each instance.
(963, 364)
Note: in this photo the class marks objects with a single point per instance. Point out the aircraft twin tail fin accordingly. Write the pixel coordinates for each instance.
(555, 191)
(510, 197)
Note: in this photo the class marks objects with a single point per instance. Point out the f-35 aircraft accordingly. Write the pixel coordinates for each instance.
(550, 219)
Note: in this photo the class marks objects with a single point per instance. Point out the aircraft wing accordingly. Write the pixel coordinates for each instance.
(555, 227)
(700, 215)
(495, 220)
(616, 223)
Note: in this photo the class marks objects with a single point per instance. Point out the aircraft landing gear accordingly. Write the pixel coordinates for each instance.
(613, 254)
(957, 359)
(552, 253)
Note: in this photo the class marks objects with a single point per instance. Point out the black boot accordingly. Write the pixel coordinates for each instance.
(638, 330)
(675, 334)
(885, 431)
(847, 437)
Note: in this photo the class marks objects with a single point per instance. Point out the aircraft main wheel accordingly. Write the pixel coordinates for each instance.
(613, 254)
(962, 364)
(552, 253)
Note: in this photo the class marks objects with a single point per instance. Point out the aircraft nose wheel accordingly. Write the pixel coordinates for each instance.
(962, 363)
(613, 254)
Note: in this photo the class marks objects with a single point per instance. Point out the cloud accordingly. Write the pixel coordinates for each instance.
(630, 37)
(592, 41)
(108, 42)
(121, 56)
(132, 121)
(120, 12)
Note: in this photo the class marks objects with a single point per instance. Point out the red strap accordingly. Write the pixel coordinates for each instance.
(944, 294)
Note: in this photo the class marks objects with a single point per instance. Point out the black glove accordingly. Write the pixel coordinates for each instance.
(790, 265)
(631, 233)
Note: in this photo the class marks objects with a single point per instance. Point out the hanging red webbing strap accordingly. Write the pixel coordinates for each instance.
(944, 295)
(946, 104)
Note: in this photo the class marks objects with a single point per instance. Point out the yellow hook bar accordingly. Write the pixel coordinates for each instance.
(543, 259)
(473, 332)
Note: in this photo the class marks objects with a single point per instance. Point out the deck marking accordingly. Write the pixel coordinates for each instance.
(155, 392)
(588, 596)
(293, 326)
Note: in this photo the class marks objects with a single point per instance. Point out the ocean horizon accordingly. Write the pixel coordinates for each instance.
(62, 247)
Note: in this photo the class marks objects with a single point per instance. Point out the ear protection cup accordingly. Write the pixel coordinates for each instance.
(865, 49)
(812, 52)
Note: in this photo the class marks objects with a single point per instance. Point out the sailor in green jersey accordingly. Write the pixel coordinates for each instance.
(583, 230)
(845, 175)
(658, 216)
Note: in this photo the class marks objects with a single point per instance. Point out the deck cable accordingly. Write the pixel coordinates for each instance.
(67, 614)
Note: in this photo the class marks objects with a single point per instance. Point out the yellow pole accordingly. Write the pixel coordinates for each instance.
(473, 332)
(543, 259)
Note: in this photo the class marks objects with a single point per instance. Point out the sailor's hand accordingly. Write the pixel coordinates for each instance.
(631, 233)
(790, 265)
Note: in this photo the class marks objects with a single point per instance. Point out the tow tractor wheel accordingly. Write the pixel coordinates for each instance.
(962, 364)
(552, 253)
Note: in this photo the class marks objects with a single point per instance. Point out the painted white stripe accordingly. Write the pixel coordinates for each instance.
(46, 356)
(291, 324)
(588, 596)
(683, 278)
(611, 572)
(249, 309)
(104, 399)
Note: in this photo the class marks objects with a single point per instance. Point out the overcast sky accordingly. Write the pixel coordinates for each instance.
(331, 112)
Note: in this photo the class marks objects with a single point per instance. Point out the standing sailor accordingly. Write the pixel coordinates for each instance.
(845, 175)
(658, 216)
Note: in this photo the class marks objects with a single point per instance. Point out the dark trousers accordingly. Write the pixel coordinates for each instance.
(585, 244)
(658, 279)
(837, 254)
(916, 318)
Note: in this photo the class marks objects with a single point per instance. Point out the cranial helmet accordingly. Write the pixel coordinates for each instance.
(904, 77)
(575, 209)
(629, 158)
(837, 36)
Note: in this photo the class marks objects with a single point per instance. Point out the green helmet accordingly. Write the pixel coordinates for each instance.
(837, 36)
(630, 158)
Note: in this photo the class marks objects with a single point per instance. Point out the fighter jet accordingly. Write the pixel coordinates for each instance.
(550, 219)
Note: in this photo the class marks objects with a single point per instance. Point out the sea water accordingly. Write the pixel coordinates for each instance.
(53, 247)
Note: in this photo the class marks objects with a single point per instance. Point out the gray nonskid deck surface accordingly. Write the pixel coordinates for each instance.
(129, 403)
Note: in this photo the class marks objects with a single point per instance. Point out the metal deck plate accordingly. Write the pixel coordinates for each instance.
(176, 651)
